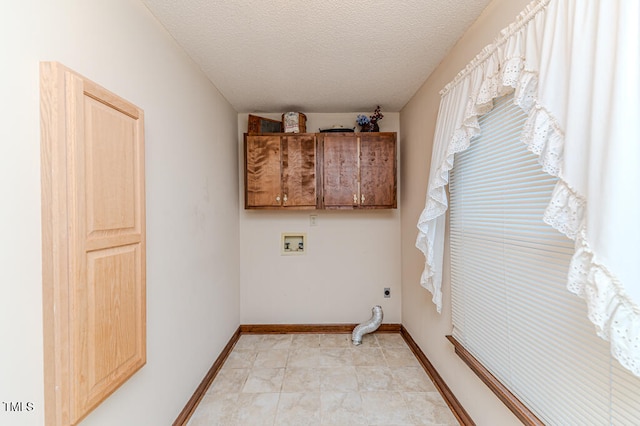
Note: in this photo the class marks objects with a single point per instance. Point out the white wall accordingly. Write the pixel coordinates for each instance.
(192, 219)
(419, 315)
(351, 255)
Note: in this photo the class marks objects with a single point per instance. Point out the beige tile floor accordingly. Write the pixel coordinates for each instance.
(321, 379)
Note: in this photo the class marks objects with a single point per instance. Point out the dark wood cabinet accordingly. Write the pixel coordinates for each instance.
(280, 171)
(358, 170)
(339, 169)
(320, 171)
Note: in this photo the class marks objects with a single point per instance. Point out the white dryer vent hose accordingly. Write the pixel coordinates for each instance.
(368, 326)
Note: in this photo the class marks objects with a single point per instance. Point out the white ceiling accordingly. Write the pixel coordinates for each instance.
(317, 56)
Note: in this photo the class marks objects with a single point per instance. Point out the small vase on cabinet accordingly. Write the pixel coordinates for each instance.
(372, 126)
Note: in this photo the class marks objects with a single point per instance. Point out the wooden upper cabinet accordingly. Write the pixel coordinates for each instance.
(320, 171)
(378, 170)
(280, 171)
(299, 171)
(359, 170)
(340, 170)
(263, 181)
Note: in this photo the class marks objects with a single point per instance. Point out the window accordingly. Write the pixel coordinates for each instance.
(511, 309)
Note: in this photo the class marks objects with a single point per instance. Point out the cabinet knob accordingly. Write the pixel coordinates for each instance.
(285, 198)
(362, 199)
(355, 199)
(278, 198)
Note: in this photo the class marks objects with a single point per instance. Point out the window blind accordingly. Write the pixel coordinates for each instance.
(510, 307)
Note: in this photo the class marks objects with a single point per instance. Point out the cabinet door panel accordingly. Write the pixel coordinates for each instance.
(299, 170)
(94, 239)
(377, 170)
(340, 170)
(262, 162)
(107, 302)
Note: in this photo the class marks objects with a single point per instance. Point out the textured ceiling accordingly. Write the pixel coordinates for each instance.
(317, 56)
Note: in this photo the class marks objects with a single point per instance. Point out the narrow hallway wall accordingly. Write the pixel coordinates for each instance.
(192, 219)
(419, 316)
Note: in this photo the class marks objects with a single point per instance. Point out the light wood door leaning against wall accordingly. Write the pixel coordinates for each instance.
(93, 230)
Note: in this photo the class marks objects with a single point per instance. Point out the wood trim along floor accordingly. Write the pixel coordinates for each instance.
(188, 410)
(201, 390)
(451, 400)
(310, 328)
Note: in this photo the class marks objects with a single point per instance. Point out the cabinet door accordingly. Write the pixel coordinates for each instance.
(378, 170)
(262, 171)
(340, 170)
(299, 170)
(94, 239)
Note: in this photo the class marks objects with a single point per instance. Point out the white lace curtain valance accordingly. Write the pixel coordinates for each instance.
(575, 69)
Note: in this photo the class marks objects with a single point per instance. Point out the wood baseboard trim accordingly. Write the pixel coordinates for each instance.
(310, 328)
(458, 410)
(201, 390)
(520, 410)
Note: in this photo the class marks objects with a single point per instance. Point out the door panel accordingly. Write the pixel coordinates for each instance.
(93, 210)
(262, 163)
(299, 170)
(377, 170)
(111, 295)
(111, 168)
(340, 170)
